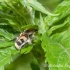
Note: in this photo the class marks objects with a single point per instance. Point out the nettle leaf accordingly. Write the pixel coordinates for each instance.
(57, 45)
(21, 10)
(5, 44)
(64, 39)
(29, 26)
(63, 9)
(57, 54)
(6, 15)
(7, 48)
(37, 6)
(59, 28)
(41, 25)
(6, 34)
(26, 50)
(6, 55)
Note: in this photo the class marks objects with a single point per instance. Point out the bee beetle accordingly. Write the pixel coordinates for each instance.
(25, 38)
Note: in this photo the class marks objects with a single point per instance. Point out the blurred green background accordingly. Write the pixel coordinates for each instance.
(19, 61)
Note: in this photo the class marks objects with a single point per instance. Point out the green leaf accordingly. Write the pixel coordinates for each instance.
(41, 25)
(4, 44)
(29, 26)
(21, 10)
(5, 59)
(57, 50)
(37, 6)
(58, 28)
(26, 49)
(63, 9)
(6, 55)
(6, 34)
(55, 41)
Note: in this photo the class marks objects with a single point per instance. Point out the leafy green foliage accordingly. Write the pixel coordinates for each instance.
(15, 16)
(56, 42)
(38, 6)
(51, 43)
